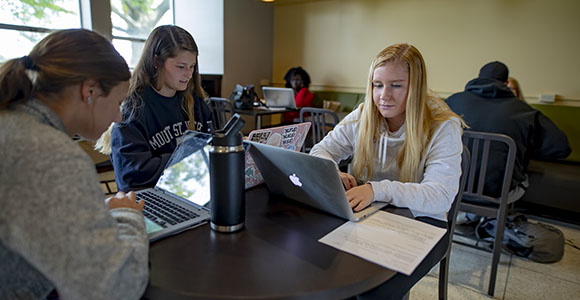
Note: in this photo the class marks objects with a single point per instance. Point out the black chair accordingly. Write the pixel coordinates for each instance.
(451, 216)
(478, 201)
(322, 120)
(222, 109)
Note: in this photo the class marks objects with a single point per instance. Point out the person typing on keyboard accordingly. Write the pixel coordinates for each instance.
(59, 237)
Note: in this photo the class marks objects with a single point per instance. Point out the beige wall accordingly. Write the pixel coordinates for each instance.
(336, 40)
(248, 42)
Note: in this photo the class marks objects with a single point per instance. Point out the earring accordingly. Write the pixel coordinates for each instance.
(89, 100)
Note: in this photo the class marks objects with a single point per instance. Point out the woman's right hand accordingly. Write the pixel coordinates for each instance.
(347, 180)
(125, 200)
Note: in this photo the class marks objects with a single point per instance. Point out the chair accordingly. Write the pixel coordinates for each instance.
(221, 108)
(451, 216)
(321, 120)
(475, 199)
(103, 165)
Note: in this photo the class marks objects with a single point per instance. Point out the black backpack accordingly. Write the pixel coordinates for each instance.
(244, 97)
(535, 241)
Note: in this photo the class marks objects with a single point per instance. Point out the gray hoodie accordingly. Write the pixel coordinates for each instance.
(56, 232)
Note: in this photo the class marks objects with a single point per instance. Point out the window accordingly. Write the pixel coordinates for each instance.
(133, 21)
(24, 23)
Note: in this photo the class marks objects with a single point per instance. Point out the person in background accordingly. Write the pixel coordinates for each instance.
(297, 79)
(514, 86)
(406, 147)
(165, 99)
(535, 135)
(59, 236)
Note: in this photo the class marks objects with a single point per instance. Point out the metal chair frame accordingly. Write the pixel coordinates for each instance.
(479, 145)
(451, 217)
(318, 118)
(221, 108)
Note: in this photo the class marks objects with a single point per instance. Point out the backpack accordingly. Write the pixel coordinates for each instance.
(244, 97)
(536, 241)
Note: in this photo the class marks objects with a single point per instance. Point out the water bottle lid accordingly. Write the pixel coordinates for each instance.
(230, 135)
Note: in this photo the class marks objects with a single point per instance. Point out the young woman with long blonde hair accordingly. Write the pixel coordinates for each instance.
(406, 148)
(406, 143)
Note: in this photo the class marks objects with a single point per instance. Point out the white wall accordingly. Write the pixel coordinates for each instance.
(336, 40)
(205, 21)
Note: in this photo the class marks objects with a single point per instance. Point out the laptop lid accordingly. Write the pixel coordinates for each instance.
(187, 172)
(311, 180)
(279, 97)
(181, 196)
(289, 137)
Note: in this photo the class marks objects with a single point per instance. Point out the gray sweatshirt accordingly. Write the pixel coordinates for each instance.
(55, 229)
(440, 168)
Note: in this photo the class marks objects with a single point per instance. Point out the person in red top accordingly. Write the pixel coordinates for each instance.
(297, 79)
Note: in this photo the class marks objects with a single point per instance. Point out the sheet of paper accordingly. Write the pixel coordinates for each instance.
(386, 239)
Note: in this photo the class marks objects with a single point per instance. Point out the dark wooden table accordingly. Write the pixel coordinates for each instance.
(258, 112)
(276, 256)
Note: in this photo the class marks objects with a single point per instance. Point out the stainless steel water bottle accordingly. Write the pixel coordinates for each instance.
(226, 158)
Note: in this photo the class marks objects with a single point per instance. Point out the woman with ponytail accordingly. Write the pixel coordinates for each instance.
(59, 236)
(165, 99)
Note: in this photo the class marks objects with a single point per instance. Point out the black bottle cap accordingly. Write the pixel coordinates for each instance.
(230, 135)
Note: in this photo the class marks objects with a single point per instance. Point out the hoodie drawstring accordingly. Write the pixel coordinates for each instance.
(382, 149)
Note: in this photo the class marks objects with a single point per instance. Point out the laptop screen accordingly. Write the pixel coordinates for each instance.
(279, 97)
(187, 174)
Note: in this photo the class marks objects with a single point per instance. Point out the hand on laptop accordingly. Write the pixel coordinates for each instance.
(347, 180)
(360, 196)
(125, 200)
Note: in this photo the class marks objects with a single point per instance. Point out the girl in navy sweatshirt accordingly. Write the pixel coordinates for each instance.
(165, 99)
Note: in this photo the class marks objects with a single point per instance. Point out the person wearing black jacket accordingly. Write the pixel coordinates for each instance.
(488, 105)
(165, 99)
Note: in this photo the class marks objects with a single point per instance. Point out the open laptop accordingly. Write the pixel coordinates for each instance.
(181, 196)
(277, 97)
(311, 180)
(289, 137)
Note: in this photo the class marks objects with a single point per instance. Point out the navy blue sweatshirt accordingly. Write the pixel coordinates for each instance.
(142, 146)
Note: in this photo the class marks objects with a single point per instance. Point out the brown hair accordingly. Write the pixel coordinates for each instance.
(164, 42)
(61, 59)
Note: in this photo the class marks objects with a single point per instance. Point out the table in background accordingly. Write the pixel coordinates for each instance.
(277, 255)
(258, 112)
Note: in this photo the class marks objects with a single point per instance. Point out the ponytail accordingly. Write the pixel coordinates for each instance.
(16, 81)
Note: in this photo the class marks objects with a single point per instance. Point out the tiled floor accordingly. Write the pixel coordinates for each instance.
(517, 278)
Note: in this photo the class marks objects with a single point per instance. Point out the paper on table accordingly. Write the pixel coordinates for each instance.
(389, 240)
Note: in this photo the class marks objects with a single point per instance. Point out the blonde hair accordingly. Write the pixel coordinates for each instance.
(423, 113)
(164, 42)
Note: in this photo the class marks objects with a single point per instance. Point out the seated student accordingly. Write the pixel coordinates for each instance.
(297, 79)
(406, 146)
(488, 105)
(57, 231)
(514, 86)
(165, 99)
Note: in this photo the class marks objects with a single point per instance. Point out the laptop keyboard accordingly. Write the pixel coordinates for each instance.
(164, 212)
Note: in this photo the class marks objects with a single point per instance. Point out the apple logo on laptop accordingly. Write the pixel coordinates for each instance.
(295, 180)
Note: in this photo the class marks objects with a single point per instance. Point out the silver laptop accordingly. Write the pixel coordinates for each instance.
(277, 97)
(180, 199)
(311, 180)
